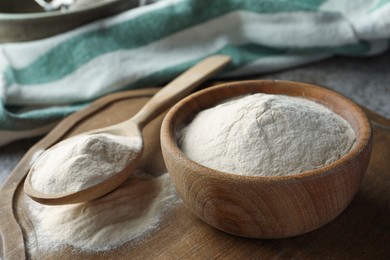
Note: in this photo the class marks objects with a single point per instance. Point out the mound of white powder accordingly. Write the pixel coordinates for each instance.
(83, 161)
(266, 135)
(129, 213)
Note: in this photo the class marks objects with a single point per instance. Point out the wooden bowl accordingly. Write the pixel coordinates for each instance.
(266, 207)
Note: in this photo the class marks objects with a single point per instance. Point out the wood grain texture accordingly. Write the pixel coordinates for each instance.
(362, 231)
(12, 246)
(267, 207)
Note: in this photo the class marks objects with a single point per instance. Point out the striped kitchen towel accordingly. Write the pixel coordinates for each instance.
(43, 81)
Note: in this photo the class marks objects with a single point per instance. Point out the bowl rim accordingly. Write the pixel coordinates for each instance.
(168, 139)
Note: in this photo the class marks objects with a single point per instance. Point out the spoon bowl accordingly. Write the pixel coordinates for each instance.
(132, 128)
(92, 192)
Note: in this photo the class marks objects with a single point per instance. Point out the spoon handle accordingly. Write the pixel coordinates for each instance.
(179, 88)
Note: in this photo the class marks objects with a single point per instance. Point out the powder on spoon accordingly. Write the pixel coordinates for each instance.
(266, 135)
(83, 161)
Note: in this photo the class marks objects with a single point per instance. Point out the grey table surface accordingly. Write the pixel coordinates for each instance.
(365, 80)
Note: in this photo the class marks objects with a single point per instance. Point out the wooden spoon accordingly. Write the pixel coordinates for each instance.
(167, 96)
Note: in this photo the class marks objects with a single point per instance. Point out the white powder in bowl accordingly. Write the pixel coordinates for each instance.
(266, 135)
(129, 213)
(83, 161)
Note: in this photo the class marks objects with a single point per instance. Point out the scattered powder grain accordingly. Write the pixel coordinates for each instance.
(267, 135)
(83, 161)
(129, 213)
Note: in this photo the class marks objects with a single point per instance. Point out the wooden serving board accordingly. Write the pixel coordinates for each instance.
(362, 231)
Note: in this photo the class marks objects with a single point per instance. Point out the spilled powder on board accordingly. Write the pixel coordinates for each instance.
(129, 213)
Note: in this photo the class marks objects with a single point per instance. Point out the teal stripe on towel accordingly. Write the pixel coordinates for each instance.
(10, 121)
(380, 4)
(73, 53)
